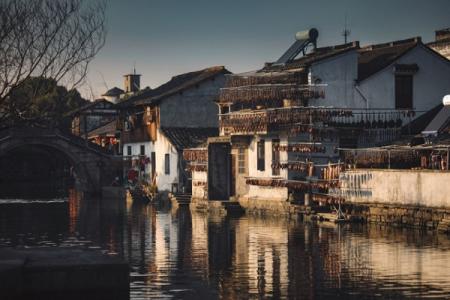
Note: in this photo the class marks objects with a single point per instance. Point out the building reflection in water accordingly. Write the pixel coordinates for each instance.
(183, 254)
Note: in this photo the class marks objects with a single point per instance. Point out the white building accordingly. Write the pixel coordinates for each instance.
(281, 126)
(160, 123)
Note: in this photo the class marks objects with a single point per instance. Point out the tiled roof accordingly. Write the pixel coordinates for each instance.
(98, 103)
(417, 125)
(371, 59)
(107, 129)
(115, 91)
(183, 138)
(176, 84)
(374, 58)
(440, 122)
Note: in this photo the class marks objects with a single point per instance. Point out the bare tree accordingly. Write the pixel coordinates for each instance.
(48, 38)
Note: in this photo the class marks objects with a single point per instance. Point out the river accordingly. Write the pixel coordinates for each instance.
(176, 253)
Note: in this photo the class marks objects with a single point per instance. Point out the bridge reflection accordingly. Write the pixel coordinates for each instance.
(35, 171)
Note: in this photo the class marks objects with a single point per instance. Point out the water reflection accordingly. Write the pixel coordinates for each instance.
(176, 253)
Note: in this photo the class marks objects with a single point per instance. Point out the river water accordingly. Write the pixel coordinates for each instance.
(182, 254)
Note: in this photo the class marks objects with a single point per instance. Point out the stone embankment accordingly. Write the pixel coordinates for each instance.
(55, 273)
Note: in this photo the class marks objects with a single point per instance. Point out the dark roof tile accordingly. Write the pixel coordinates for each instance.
(176, 84)
(374, 58)
(115, 91)
(183, 137)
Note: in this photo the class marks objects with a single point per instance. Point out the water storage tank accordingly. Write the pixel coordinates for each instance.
(305, 35)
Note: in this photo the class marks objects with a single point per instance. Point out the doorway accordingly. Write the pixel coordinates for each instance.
(219, 171)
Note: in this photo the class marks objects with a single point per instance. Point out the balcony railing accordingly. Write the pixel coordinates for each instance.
(307, 119)
(260, 94)
(277, 119)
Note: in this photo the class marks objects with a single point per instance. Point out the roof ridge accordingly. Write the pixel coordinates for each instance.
(338, 47)
(413, 40)
(213, 68)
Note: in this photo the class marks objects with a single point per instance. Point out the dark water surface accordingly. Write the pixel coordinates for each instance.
(182, 254)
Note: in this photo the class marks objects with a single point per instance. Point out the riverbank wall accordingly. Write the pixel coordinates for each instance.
(409, 198)
(402, 198)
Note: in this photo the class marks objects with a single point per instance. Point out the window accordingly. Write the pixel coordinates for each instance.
(403, 91)
(242, 168)
(142, 149)
(129, 150)
(275, 156)
(260, 156)
(139, 119)
(127, 126)
(167, 164)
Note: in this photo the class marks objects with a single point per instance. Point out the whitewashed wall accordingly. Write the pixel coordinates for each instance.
(339, 74)
(397, 187)
(430, 83)
(259, 191)
(161, 146)
(136, 151)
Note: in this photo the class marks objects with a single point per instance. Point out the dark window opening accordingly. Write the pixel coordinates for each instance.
(403, 91)
(153, 162)
(142, 150)
(261, 156)
(167, 164)
(128, 150)
(275, 156)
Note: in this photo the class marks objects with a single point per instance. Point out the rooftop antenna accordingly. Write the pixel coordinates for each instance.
(346, 32)
(134, 67)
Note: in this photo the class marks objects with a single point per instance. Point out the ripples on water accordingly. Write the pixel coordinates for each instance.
(180, 254)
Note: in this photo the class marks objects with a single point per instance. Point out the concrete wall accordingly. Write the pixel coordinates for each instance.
(430, 83)
(195, 107)
(397, 187)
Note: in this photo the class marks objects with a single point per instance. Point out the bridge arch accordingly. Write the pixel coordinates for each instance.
(90, 162)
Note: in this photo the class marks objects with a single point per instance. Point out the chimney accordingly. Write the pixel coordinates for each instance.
(132, 82)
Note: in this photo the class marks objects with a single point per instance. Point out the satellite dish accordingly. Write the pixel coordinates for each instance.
(446, 100)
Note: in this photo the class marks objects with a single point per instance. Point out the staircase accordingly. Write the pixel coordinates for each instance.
(182, 198)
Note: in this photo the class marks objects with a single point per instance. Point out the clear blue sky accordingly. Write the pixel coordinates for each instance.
(164, 38)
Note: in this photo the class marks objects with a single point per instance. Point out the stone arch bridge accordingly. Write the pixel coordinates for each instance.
(95, 166)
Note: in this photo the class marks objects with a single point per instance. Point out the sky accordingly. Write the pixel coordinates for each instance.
(164, 38)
